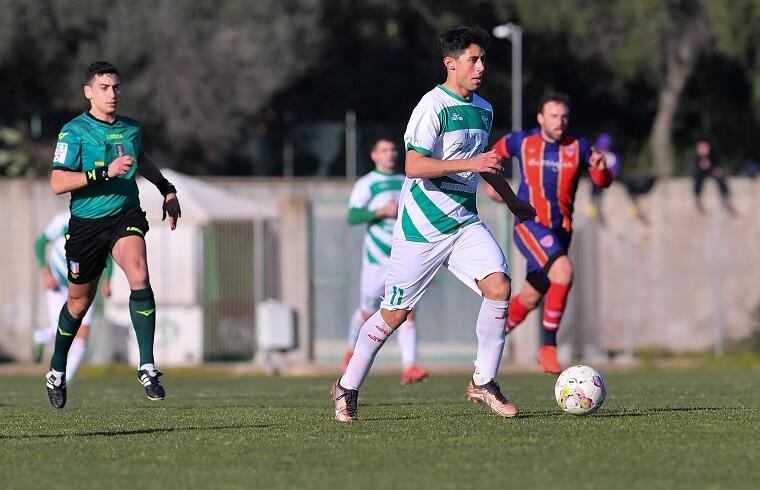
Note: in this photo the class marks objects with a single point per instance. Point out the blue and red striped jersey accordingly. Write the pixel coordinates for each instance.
(549, 173)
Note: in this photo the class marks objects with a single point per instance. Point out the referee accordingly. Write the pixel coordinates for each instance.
(96, 157)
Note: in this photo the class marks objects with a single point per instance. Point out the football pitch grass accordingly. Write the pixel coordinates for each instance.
(673, 429)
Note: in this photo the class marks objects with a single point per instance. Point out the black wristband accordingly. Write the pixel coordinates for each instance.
(165, 187)
(97, 175)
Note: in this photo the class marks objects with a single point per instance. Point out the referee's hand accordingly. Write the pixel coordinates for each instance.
(120, 166)
(171, 208)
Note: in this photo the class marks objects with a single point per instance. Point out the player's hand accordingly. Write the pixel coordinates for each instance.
(390, 210)
(105, 288)
(171, 208)
(48, 280)
(489, 162)
(523, 210)
(597, 160)
(120, 166)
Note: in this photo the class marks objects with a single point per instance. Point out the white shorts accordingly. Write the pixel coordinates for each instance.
(470, 254)
(372, 286)
(55, 301)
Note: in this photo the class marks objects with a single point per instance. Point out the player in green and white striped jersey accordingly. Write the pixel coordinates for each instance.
(374, 201)
(54, 273)
(439, 226)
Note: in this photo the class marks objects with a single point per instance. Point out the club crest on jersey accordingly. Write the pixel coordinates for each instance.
(570, 150)
(547, 241)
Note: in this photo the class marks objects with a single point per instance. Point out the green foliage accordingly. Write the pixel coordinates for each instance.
(736, 25)
(202, 75)
(14, 162)
(197, 71)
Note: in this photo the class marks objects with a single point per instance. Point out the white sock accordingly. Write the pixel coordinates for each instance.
(149, 367)
(44, 335)
(491, 330)
(76, 356)
(357, 320)
(372, 336)
(407, 341)
(58, 376)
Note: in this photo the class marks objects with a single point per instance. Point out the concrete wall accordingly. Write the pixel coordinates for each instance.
(660, 283)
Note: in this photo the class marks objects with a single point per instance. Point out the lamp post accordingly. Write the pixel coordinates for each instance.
(513, 32)
(529, 340)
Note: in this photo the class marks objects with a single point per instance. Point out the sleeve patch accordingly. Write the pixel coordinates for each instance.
(61, 149)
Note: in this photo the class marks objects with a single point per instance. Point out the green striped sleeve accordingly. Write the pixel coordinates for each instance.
(358, 215)
(39, 249)
(420, 150)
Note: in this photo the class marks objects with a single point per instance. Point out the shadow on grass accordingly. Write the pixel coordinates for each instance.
(398, 404)
(393, 417)
(115, 433)
(633, 413)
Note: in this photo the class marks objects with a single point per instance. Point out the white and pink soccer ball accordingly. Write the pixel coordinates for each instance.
(580, 390)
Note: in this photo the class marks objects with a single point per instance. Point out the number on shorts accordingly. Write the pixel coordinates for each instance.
(397, 296)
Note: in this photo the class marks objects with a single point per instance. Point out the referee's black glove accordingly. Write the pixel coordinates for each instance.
(171, 207)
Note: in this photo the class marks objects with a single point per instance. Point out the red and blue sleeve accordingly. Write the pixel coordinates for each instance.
(600, 178)
(509, 145)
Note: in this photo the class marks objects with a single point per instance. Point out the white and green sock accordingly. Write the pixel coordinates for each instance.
(491, 331)
(76, 356)
(407, 342)
(372, 336)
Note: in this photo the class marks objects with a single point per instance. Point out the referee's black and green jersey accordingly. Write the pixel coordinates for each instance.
(86, 143)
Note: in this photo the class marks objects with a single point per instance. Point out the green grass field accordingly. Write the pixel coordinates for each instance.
(676, 429)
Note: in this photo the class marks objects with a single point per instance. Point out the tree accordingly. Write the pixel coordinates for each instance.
(196, 71)
(737, 29)
(660, 41)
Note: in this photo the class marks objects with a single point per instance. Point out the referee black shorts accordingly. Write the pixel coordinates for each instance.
(89, 241)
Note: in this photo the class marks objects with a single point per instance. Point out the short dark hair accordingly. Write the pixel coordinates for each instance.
(99, 68)
(378, 139)
(552, 96)
(456, 39)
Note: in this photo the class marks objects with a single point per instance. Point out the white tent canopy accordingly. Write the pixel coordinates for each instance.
(202, 202)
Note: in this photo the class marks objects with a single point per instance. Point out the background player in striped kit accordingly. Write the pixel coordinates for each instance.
(53, 272)
(374, 201)
(551, 161)
(446, 139)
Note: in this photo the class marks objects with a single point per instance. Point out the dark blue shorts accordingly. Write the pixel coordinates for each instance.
(540, 245)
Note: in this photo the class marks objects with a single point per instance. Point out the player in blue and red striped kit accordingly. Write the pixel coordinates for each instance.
(551, 161)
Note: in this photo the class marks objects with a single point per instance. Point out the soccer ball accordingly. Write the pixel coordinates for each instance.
(580, 390)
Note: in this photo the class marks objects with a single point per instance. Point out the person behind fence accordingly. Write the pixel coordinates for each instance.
(96, 158)
(446, 141)
(374, 203)
(54, 275)
(551, 161)
(707, 164)
(604, 145)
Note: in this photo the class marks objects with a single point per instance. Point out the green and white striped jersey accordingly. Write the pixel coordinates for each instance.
(443, 126)
(55, 232)
(371, 192)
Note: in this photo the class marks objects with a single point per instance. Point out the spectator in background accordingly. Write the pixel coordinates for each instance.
(603, 145)
(707, 164)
